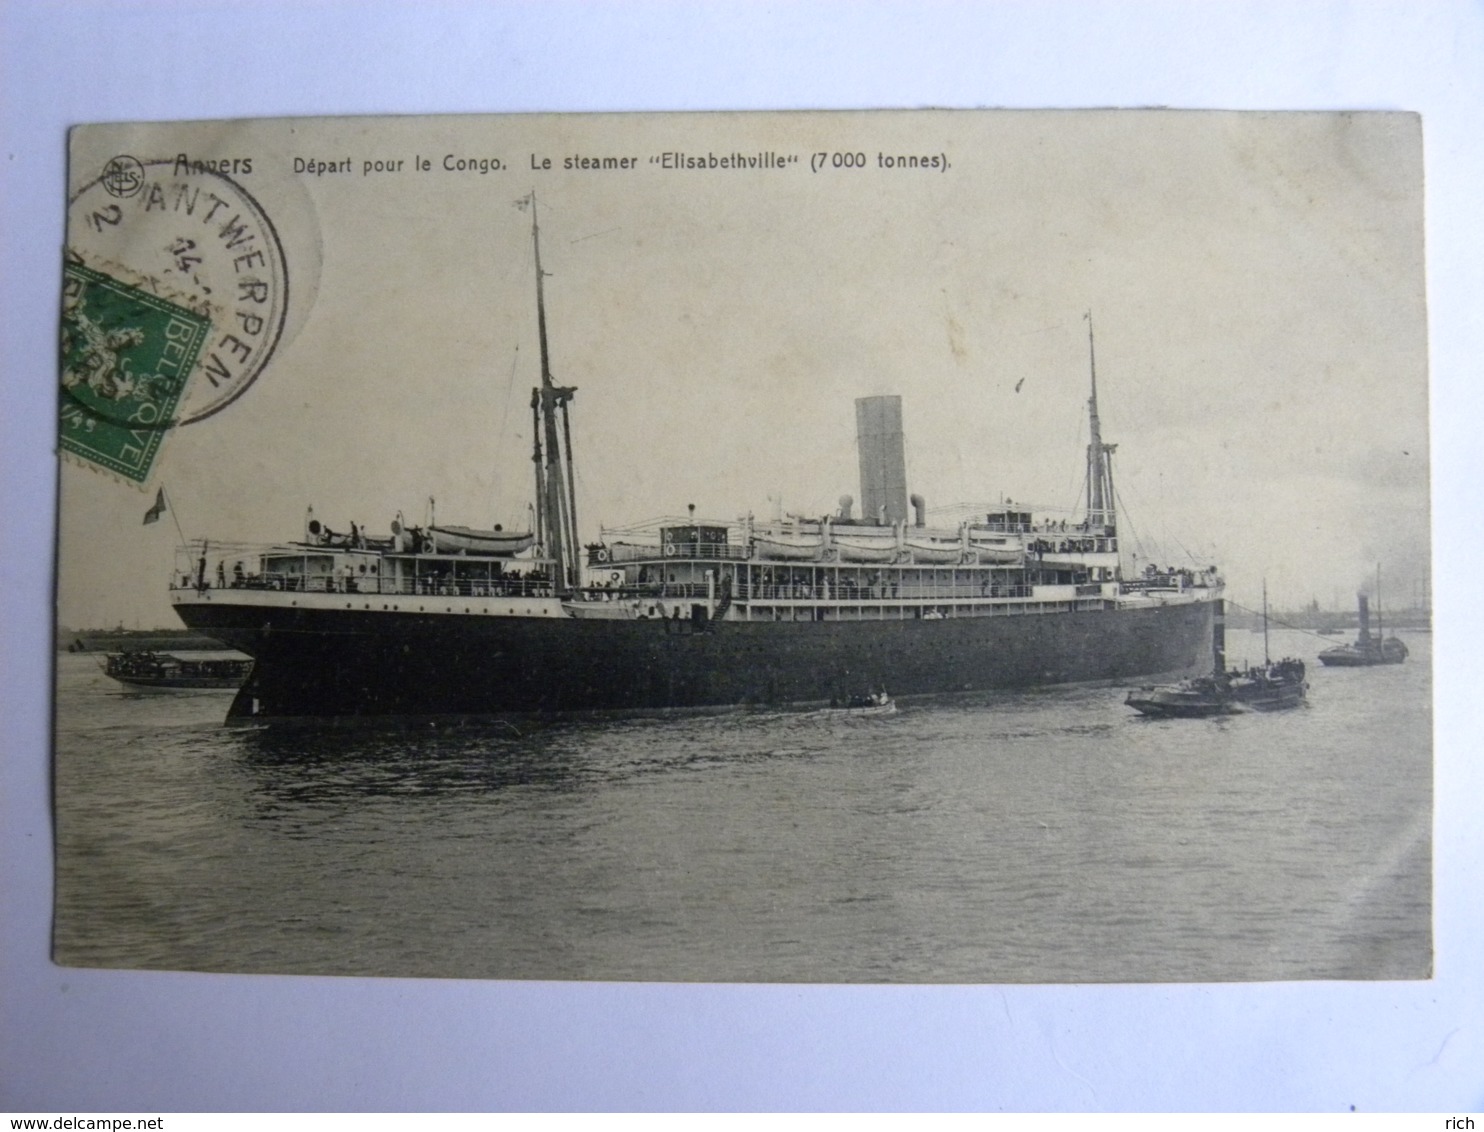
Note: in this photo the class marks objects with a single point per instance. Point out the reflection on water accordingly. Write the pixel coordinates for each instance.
(1032, 836)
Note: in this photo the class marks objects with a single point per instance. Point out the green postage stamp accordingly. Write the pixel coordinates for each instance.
(126, 356)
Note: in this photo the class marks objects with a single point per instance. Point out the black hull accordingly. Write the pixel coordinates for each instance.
(1278, 700)
(1165, 709)
(1365, 653)
(364, 663)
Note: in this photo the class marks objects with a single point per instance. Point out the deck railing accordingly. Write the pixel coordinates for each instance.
(881, 591)
(630, 552)
(370, 584)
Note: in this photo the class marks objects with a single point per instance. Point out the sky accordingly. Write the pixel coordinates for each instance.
(1255, 281)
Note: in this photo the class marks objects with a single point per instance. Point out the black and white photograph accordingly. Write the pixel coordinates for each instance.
(942, 546)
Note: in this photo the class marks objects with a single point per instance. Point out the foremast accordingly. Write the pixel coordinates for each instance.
(1101, 510)
(556, 493)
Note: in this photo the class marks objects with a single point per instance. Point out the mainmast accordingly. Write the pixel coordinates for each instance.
(1100, 506)
(556, 496)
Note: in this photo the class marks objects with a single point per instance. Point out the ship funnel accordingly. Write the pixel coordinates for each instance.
(846, 503)
(1365, 617)
(878, 432)
(919, 510)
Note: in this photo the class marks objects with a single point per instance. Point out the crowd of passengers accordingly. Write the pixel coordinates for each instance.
(1069, 546)
(349, 580)
(1173, 576)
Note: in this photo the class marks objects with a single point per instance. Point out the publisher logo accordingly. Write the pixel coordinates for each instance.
(123, 176)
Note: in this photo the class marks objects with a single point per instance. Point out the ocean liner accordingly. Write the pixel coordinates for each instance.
(440, 620)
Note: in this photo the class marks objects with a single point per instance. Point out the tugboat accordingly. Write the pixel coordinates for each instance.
(1367, 650)
(1271, 687)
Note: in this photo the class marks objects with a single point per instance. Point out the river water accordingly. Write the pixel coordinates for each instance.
(1052, 836)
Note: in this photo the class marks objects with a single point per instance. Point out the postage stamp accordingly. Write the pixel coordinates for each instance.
(155, 247)
(126, 357)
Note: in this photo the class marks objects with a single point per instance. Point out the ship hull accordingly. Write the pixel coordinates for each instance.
(1276, 699)
(322, 662)
(1348, 657)
(1164, 706)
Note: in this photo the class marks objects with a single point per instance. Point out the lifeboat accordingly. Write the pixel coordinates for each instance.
(935, 550)
(863, 548)
(467, 540)
(796, 547)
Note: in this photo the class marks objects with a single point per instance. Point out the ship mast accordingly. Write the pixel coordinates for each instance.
(1100, 507)
(556, 496)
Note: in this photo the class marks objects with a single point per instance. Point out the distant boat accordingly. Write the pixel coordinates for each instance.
(203, 670)
(1367, 649)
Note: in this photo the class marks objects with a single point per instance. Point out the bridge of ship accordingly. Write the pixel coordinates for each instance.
(357, 569)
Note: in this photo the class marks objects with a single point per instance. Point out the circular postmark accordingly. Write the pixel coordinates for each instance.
(175, 296)
(123, 176)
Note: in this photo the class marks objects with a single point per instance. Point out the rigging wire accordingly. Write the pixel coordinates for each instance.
(1079, 446)
(1182, 547)
(1126, 516)
(1275, 621)
(1124, 512)
(504, 420)
(1082, 493)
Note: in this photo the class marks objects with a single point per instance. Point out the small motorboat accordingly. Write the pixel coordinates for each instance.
(1197, 698)
(875, 703)
(197, 671)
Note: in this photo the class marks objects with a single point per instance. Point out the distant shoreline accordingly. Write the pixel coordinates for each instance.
(116, 640)
(1325, 622)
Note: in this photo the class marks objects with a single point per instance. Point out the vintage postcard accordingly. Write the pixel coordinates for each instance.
(930, 546)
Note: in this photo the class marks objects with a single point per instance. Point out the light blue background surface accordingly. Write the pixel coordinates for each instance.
(80, 1040)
